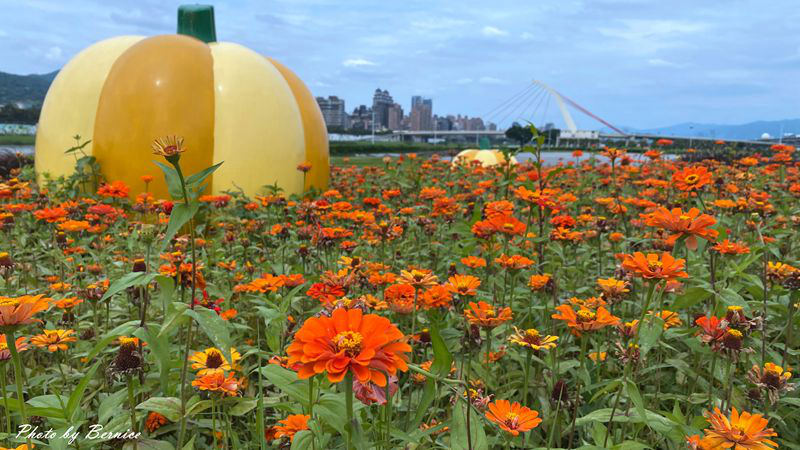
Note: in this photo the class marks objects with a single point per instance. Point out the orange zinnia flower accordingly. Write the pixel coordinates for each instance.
(538, 282)
(291, 425)
(513, 417)
(727, 247)
(691, 178)
(463, 284)
(486, 315)
(54, 340)
(654, 267)
(155, 421)
(743, 431)
(691, 224)
(473, 261)
(15, 311)
(585, 319)
(349, 341)
(217, 382)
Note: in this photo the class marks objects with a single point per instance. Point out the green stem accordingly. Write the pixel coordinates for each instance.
(348, 397)
(7, 412)
(132, 403)
(18, 375)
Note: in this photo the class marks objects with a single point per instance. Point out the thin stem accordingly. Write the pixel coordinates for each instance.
(7, 412)
(348, 397)
(132, 403)
(18, 375)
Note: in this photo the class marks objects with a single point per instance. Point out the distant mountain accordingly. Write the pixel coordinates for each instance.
(27, 90)
(750, 130)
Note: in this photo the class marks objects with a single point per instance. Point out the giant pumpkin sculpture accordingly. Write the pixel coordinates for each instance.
(228, 102)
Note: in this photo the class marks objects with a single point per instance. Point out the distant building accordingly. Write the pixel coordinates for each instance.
(421, 113)
(361, 119)
(381, 102)
(333, 112)
(395, 117)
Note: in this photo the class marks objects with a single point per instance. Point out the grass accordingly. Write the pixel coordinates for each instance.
(16, 139)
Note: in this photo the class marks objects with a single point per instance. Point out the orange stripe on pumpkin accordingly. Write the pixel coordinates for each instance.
(163, 85)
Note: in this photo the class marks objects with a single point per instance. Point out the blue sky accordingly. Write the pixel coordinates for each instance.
(633, 62)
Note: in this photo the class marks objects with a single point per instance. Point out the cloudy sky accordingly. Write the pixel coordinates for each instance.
(636, 63)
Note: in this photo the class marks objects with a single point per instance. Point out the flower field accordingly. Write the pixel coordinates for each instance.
(628, 302)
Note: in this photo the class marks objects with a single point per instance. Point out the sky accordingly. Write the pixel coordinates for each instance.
(634, 63)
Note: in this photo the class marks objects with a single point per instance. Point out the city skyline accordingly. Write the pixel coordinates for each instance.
(635, 63)
(386, 114)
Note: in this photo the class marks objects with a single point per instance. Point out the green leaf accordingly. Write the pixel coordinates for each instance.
(196, 179)
(302, 440)
(442, 358)
(77, 395)
(214, 327)
(636, 398)
(180, 216)
(691, 297)
(458, 430)
(172, 179)
(148, 444)
(109, 405)
(651, 331)
(129, 280)
(287, 382)
(169, 407)
(242, 406)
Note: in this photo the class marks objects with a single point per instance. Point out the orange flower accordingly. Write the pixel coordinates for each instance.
(654, 267)
(68, 303)
(437, 297)
(267, 283)
(513, 262)
(485, 315)
(74, 225)
(155, 421)
(217, 382)
(743, 431)
(291, 425)
(463, 284)
(51, 215)
(539, 282)
(116, 189)
(513, 417)
(349, 341)
(727, 247)
(473, 261)
(15, 311)
(54, 340)
(691, 224)
(585, 319)
(670, 318)
(691, 178)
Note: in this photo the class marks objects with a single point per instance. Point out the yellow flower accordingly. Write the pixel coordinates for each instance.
(531, 338)
(211, 360)
(54, 340)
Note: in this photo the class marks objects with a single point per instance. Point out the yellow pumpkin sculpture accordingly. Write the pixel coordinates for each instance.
(228, 102)
(487, 158)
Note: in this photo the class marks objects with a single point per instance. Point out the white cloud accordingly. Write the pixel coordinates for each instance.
(53, 53)
(490, 80)
(493, 31)
(464, 81)
(526, 36)
(658, 62)
(357, 62)
(651, 35)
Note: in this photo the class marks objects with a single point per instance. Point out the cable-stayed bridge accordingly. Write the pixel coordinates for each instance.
(532, 103)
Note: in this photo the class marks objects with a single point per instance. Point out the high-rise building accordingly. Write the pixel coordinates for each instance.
(361, 119)
(333, 111)
(395, 117)
(421, 113)
(381, 102)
